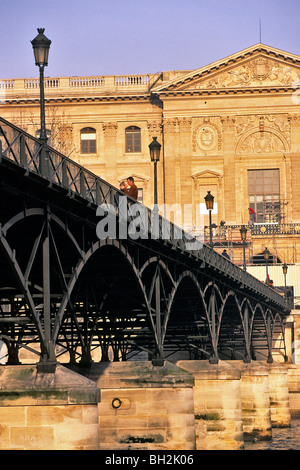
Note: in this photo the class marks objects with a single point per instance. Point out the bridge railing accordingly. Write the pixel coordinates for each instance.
(33, 156)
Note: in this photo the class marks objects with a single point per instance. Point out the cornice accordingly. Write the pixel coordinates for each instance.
(77, 99)
(226, 91)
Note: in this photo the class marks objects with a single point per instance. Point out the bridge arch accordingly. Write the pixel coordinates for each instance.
(232, 330)
(106, 279)
(278, 337)
(27, 229)
(187, 317)
(260, 334)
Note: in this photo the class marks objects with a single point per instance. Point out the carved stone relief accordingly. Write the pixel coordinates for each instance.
(257, 134)
(185, 123)
(207, 135)
(110, 129)
(257, 72)
(154, 128)
(260, 143)
(171, 125)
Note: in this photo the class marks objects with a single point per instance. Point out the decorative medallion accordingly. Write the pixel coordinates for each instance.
(207, 138)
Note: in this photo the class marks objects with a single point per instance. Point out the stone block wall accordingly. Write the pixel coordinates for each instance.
(47, 411)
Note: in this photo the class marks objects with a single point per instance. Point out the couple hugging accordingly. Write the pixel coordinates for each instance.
(132, 190)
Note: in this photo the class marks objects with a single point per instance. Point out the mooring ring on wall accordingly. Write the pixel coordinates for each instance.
(116, 403)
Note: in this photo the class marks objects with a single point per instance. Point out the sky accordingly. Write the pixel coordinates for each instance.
(115, 37)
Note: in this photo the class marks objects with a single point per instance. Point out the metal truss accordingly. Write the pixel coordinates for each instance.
(62, 290)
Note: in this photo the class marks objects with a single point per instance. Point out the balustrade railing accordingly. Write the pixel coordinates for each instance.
(7, 84)
(63, 83)
(130, 80)
(86, 81)
(33, 156)
(231, 232)
(35, 83)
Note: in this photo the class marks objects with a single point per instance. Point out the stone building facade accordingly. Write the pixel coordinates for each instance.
(231, 128)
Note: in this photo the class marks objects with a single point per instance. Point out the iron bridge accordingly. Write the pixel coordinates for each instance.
(65, 293)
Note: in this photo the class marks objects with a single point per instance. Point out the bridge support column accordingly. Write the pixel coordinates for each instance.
(47, 411)
(294, 389)
(144, 406)
(13, 354)
(217, 405)
(279, 396)
(255, 399)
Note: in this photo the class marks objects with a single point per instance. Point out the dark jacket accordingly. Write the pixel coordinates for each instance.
(133, 191)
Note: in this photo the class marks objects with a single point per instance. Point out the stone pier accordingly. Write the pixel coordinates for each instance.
(39, 411)
(255, 396)
(279, 395)
(144, 407)
(184, 406)
(294, 389)
(217, 405)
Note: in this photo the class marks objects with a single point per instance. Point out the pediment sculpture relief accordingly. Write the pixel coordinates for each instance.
(261, 143)
(257, 72)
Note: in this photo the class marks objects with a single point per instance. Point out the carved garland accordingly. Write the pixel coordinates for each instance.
(256, 143)
(262, 134)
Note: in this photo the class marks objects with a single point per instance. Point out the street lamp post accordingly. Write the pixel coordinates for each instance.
(243, 232)
(154, 148)
(285, 269)
(209, 201)
(41, 46)
(266, 254)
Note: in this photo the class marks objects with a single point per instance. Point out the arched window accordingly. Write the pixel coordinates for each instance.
(133, 139)
(88, 140)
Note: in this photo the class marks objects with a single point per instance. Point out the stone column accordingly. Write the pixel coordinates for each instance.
(110, 136)
(255, 400)
(279, 396)
(47, 411)
(172, 161)
(144, 407)
(230, 202)
(185, 155)
(217, 405)
(294, 389)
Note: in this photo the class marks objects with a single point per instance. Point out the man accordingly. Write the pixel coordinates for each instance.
(252, 215)
(225, 254)
(133, 190)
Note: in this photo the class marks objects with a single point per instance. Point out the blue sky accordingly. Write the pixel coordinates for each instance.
(114, 37)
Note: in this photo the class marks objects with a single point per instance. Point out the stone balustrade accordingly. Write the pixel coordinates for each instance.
(29, 87)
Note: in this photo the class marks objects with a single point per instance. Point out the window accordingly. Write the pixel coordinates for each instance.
(88, 140)
(263, 187)
(133, 139)
(140, 195)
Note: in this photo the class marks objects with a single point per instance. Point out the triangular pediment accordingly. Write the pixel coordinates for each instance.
(206, 174)
(257, 66)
